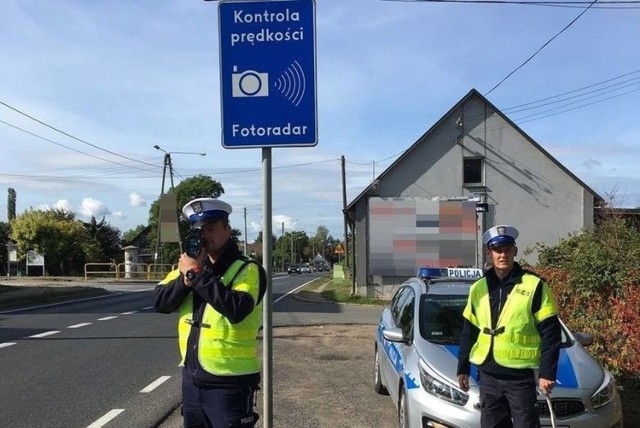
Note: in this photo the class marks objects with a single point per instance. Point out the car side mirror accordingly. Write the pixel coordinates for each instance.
(394, 335)
(584, 339)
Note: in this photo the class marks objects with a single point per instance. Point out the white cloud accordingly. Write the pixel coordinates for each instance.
(93, 208)
(64, 205)
(136, 200)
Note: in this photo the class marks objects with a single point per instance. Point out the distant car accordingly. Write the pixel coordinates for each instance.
(294, 269)
(416, 359)
(305, 269)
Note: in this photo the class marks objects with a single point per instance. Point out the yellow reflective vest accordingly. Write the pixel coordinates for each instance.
(516, 340)
(224, 348)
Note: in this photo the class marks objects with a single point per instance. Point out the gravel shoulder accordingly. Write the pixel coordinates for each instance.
(322, 378)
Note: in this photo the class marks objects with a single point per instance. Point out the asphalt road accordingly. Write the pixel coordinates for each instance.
(71, 364)
(110, 360)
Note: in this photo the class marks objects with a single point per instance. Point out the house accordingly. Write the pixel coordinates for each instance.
(476, 153)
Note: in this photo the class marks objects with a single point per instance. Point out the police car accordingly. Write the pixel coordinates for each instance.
(416, 358)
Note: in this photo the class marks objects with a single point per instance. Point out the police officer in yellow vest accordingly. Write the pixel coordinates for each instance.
(219, 297)
(511, 327)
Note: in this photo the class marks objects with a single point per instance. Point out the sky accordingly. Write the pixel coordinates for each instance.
(119, 77)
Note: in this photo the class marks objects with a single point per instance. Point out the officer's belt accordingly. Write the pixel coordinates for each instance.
(493, 332)
(197, 324)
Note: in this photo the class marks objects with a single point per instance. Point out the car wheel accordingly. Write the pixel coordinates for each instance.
(378, 386)
(403, 411)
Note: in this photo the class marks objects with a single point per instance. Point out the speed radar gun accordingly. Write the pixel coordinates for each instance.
(193, 244)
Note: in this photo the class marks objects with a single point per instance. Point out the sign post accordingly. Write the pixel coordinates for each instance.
(268, 99)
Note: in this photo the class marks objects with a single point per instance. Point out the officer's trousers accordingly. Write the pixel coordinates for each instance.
(508, 402)
(218, 407)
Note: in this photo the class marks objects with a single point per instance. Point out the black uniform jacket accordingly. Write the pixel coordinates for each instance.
(208, 289)
(549, 330)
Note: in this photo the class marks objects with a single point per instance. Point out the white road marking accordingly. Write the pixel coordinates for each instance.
(156, 383)
(129, 313)
(45, 334)
(6, 344)
(82, 324)
(142, 289)
(146, 308)
(61, 303)
(107, 318)
(291, 292)
(106, 418)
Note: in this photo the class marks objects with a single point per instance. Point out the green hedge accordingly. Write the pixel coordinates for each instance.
(595, 277)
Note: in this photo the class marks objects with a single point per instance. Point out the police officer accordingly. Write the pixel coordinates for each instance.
(219, 296)
(511, 327)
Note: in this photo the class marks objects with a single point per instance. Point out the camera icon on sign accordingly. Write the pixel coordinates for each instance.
(249, 83)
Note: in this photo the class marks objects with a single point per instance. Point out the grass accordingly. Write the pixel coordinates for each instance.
(339, 291)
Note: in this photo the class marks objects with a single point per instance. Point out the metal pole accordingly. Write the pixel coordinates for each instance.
(155, 256)
(245, 231)
(267, 320)
(172, 189)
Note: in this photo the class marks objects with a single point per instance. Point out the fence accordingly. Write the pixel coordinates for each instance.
(139, 271)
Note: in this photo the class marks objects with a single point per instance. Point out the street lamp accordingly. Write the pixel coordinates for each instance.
(167, 163)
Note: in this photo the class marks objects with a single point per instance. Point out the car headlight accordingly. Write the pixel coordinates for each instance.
(605, 394)
(441, 389)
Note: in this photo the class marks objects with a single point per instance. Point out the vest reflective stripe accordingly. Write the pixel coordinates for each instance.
(236, 352)
(225, 348)
(519, 345)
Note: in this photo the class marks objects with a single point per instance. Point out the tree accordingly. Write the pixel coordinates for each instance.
(105, 238)
(54, 233)
(199, 186)
(5, 231)
(11, 204)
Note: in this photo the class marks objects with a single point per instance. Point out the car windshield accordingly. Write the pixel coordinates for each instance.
(441, 318)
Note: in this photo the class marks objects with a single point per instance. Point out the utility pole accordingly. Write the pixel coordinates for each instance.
(245, 231)
(292, 247)
(344, 213)
(167, 164)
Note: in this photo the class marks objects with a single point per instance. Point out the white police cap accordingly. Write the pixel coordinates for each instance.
(201, 210)
(500, 235)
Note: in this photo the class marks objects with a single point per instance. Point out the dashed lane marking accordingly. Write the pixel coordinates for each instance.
(82, 324)
(156, 383)
(6, 344)
(45, 334)
(108, 318)
(106, 418)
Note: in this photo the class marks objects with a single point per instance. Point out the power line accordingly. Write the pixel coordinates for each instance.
(70, 148)
(575, 90)
(74, 137)
(615, 4)
(542, 47)
(583, 96)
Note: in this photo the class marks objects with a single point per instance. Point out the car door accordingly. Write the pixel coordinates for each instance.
(400, 316)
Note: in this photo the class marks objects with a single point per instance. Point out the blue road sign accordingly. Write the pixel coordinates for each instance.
(268, 73)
